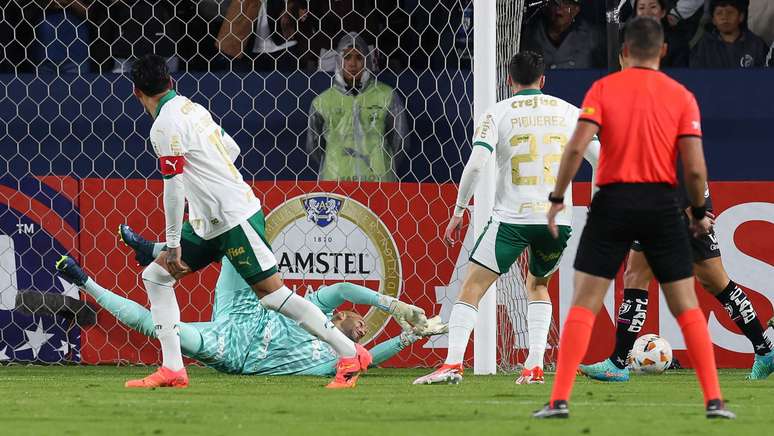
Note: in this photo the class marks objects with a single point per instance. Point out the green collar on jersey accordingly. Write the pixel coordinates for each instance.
(168, 96)
(530, 91)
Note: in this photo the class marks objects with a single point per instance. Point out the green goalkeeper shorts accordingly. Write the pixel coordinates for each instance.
(244, 245)
(500, 244)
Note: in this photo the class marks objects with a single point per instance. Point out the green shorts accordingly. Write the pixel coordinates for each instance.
(500, 244)
(245, 246)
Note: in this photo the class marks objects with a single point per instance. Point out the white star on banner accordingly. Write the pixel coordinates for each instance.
(4, 356)
(64, 348)
(35, 339)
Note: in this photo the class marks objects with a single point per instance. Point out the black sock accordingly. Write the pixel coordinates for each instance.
(742, 312)
(631, 318)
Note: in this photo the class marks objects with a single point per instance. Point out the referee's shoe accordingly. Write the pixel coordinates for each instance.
(717, 410)
(553, 410)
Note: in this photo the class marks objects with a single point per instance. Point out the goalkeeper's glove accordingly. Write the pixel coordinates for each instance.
(434, 327)
(408, 316)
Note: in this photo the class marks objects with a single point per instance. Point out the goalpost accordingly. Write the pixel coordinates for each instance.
(501, 331)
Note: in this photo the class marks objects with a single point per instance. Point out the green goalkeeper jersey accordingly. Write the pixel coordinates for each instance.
(245, 338)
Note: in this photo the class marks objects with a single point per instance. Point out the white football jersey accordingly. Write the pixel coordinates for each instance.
(527, 133)
(218, 197)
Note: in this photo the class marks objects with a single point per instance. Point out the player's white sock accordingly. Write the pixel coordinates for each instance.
(538, 323)
(461, 323)
(310, 318)
(165, 313)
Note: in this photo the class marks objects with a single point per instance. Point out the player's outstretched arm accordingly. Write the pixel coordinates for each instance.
(389, 348)
(407, 315)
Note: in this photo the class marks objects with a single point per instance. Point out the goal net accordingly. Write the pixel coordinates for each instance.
(356, 178)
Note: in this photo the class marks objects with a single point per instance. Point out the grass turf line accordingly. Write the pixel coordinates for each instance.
(92, 401)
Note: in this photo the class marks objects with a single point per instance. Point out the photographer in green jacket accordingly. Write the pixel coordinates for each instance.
(357, 127)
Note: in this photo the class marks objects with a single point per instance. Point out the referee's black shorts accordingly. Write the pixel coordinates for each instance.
(618, 216)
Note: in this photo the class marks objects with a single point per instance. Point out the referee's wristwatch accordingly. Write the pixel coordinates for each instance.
(554, 199)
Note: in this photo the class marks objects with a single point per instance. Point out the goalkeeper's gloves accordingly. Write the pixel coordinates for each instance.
(434, 327)
(408, 316)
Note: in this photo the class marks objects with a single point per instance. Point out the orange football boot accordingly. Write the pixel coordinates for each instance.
(162, 378)
(349, 368)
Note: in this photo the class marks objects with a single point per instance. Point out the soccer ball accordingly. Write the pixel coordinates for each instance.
(651, 354)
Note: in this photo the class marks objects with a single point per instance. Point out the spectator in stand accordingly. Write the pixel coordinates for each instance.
(564, 41)
(770, 57)
(367, 18)
(357, 128)
(678, 50)
(761, 19)
(729, 44)
(62, 37)
(682, 19)
(267, 35)
(141, 27)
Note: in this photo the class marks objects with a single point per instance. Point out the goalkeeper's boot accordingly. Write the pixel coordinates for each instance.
(531, 376)
(553, 410)
(162, 378)
(717, 410)
(349, 368)
(605, 371)
(69, 269)
(143, 249)
(451, 374)
(762, 367)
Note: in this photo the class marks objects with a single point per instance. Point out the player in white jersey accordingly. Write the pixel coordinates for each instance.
(225, 219)
(526, 133)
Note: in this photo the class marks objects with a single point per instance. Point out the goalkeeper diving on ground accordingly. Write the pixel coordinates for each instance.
(243, 337)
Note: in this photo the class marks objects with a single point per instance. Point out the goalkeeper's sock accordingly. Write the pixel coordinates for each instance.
(165, 313)
(538, 323)
(138, 318)
(631, 318)
(742, 312)
(126, 311)
(572, 347)
(461, 323)
(697, 340)
(310, 318)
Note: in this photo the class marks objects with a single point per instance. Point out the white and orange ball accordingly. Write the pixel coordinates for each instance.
(650, 354)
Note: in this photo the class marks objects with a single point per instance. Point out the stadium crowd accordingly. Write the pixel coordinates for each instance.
(71, 36)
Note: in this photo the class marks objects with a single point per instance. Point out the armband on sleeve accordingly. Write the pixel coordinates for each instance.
(171, 165)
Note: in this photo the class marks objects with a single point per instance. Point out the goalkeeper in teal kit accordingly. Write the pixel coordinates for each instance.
(245, 338)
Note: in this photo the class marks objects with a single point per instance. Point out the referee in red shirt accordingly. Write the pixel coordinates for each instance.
(643, 118)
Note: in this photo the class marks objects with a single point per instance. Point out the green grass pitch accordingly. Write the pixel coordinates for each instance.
(92, 401)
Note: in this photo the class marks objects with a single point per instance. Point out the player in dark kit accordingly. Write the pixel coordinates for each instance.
(643, 118)
(708, 267)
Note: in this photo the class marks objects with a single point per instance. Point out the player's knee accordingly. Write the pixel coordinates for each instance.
(156, 273)
(636, 278)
